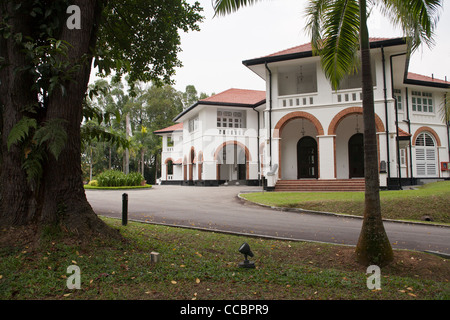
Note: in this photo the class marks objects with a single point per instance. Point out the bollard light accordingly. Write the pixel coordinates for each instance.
(245, 250)
(124, 209)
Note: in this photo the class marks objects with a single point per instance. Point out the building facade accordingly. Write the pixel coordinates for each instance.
(302, 129)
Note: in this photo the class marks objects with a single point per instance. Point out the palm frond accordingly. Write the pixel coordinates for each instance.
(417, 19)
(224, 7)
(339, 42)
(314, 21)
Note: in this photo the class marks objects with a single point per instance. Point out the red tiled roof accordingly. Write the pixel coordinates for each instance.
(306, 47)
(238, 96)
(403, 133)
(419, 77)
(175, 127)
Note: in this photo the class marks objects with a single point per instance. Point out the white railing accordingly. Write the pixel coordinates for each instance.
(231, 131)
(169, 149)
(346, 96)
(298, 100)
(170, 177)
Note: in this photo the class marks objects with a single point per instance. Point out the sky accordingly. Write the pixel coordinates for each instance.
(212, 57)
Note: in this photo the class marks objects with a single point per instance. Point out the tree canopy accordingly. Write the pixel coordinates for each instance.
(44, 73)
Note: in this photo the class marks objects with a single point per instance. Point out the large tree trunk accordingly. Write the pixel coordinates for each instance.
(373, 245)
(64, 197)
(17, 204)
(61, 200)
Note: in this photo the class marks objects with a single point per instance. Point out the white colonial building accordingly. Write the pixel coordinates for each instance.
(301, 130)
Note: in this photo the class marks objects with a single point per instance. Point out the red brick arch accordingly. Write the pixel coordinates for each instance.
(350, 111)
(248, 157)
(295, 115)
(429, 130)
(282, 123)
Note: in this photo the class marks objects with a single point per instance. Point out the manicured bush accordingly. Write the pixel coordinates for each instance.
(115, 178)
(93, 183)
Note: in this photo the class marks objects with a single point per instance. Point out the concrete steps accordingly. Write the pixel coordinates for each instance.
(331, 185)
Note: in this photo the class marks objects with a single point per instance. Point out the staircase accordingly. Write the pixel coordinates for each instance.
(331, 185)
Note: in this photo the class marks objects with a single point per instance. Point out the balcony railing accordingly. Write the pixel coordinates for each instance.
(231, 131)
(346, 96)
(298, 100)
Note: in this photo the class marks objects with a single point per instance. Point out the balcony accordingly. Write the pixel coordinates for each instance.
(347, 96)
(297, 100)
(231, 131)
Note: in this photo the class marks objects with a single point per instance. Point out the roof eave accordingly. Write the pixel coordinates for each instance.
(307, 54)
(216, 103)
(427, 83)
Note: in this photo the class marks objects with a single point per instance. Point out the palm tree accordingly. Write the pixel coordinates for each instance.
(339, 31)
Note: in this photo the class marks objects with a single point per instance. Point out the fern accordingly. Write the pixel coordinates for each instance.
(33, 166)
(53, 134)
(21, 131)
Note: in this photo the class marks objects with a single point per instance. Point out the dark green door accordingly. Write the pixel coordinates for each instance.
(356, 156)
(307, 158)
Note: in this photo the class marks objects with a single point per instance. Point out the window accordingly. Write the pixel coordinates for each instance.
(169, 141)
(403, 157)
(422, 101)
(398, 97)
(426, 158)
(230, 119)
(193, 124)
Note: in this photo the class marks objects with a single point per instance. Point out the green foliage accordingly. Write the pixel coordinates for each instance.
(53, 135)
(140, 37)
(93, 183)
(114, 178)
(35, 140)
(21, 131)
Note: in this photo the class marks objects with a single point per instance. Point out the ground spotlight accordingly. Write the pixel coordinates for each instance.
(245, 250)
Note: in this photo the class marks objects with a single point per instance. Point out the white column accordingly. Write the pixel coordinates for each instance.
(326, 157)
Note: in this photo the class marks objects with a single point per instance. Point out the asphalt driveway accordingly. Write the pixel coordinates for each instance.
(219, 209)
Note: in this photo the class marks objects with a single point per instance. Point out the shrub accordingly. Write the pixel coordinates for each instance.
(93, 183)
(114, 178)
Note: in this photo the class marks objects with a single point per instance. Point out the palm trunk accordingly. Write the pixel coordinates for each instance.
(373, 245)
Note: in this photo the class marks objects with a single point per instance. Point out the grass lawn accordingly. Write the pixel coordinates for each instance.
(429, 200)
(197, 265)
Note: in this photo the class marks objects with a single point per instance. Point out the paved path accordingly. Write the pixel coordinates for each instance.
(219, 208)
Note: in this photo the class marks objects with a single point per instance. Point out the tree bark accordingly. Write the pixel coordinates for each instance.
(64, 199)
(17, 204)
(59, 199)
(373, 245)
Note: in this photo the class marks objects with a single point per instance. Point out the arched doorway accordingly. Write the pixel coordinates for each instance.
(356, 156)
(307, 158)
(232, 161)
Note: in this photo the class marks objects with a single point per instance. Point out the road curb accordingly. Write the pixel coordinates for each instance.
(300, 210)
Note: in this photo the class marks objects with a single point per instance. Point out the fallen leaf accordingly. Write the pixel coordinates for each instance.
(412, 294)
(197, 280)
(173, 282)
(67, 294)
